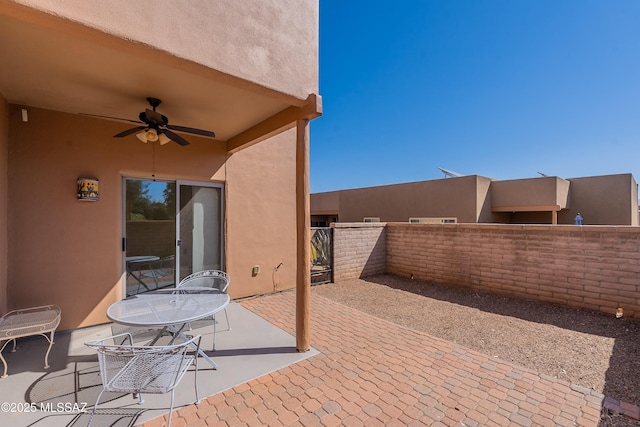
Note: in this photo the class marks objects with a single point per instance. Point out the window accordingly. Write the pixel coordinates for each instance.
(433, 220)
(371, 219)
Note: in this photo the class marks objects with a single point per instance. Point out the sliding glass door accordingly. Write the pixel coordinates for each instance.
(171, 230)
(200, 242)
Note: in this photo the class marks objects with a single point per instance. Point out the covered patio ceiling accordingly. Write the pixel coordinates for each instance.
(52, 63)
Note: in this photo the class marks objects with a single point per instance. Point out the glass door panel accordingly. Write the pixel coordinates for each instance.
(150, 234)
(199, 228)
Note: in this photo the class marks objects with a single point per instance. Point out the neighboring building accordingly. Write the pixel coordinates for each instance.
(247, 70)
(602, 200)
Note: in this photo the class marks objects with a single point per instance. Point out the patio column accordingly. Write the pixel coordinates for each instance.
(303, 220)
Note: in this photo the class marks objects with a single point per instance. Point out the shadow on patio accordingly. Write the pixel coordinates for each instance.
(58, 396)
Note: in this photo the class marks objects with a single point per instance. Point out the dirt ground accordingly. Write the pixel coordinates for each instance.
(588, 349)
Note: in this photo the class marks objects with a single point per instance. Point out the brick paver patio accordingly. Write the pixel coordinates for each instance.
(373, 372)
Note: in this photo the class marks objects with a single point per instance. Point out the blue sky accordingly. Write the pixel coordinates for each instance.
(499, 88)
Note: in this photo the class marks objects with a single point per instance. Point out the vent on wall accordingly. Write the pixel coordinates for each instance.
(371, 219)
(433, 220)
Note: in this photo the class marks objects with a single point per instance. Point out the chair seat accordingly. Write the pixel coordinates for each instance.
(151, 373)
(143, 369)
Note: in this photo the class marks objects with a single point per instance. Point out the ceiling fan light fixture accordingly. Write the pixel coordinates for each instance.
(142, 136)
(163, 139)
(149, 135)
(152, 135)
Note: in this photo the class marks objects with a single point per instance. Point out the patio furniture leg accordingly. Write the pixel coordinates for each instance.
(94, 408)
(214, 332)
(4, 362)
(179, 333)
(46, 356)
(160, 334)
(226, 315)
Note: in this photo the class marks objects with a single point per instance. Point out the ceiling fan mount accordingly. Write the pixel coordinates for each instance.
(150, 119)
(154, 102)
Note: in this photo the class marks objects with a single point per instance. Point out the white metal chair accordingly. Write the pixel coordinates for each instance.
(143, 369)
(215, 279)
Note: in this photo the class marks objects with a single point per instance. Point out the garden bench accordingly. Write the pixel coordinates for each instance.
(28, 322)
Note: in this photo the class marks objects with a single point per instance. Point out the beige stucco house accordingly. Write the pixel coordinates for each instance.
(601, 200)
(247, 71)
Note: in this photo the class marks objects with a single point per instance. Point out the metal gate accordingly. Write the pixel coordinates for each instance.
(321, 255)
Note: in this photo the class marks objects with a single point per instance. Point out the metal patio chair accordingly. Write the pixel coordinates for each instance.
(162, 271)
(215, 279)
(143, 369)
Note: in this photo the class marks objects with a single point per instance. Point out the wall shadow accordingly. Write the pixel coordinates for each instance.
(376, 263)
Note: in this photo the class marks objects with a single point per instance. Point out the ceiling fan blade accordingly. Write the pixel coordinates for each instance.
(175, 137)
(192, 130)
(110, 118)
(129, 131)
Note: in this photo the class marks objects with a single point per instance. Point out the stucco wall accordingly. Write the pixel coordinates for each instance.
(69, 253)
(415, 199)
(4, 155)
(601, 200)
(271, 42)
(544, 191)
(325, 203)
(261, 216)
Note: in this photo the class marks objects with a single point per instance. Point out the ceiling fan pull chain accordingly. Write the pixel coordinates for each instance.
(153, 165)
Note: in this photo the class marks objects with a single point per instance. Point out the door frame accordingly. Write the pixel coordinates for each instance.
(209, 184)
(178, 183)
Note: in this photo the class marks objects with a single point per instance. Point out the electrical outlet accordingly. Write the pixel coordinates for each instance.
(256, 270)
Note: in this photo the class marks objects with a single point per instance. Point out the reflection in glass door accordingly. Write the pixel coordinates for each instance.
(150, 235)
(200, 243)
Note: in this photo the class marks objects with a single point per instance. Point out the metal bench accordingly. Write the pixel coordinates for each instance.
(28, 322)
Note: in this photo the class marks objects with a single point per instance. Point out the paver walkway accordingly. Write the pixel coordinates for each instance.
(373, 372)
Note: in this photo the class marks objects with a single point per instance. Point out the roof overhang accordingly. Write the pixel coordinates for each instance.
(545, 208)
(56, 64)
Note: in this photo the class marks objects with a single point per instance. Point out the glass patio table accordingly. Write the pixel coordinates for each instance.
(169, 309)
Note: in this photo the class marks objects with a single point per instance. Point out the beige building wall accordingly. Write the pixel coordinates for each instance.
(68, 252)
(603, 200)
(451, 197)
(326, 203)
(261, 216)
(4, 189)
(533, 194)
(271, 42)
(483, 200)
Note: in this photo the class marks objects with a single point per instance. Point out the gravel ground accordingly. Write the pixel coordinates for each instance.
(588, 349)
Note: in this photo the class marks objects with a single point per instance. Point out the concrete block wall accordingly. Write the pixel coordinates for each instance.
(590, 267)
(359, 250)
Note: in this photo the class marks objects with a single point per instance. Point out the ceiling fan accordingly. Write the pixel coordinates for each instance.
(156, 127)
